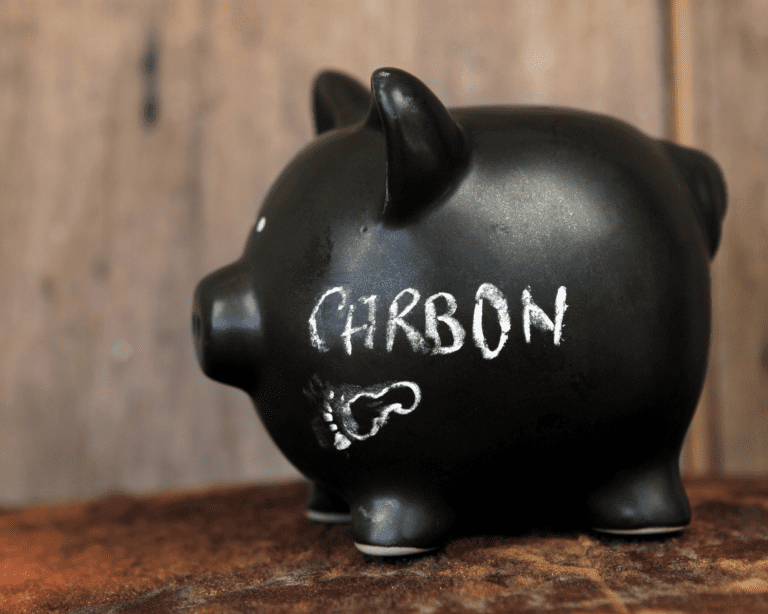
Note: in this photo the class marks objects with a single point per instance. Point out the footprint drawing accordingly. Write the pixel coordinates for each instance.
(353, 413)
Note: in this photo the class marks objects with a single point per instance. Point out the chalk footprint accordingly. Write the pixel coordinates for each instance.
(353, 413)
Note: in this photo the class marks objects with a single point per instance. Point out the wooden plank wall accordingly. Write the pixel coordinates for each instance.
(730, 120)
(109, 221)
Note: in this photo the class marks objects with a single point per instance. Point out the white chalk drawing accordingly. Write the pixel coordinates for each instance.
(368, 328)
(314, 337)
(533, 314)
(338, 415)
(431, 319)
(261, 223)
(430, 341)
(396, 320)
(490, 293)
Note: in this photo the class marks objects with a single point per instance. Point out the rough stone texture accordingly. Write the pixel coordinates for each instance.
(251, 550)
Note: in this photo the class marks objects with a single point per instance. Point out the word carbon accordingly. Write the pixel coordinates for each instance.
(430, 341)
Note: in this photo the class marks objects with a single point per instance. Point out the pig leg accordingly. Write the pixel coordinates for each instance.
(326, 507)
(647, 500)
(400, 524)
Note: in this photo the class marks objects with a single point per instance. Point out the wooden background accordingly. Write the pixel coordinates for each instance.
(107, 221)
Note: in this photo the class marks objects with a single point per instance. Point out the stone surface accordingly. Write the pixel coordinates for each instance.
(250, 549)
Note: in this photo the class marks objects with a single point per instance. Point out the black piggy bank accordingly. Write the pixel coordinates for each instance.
(441, 312)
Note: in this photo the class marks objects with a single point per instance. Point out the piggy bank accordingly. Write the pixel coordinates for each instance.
(445, 311)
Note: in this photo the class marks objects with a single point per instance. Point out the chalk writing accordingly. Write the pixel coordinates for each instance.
(369, 328)
(533, 314)
(490, 293)
(431, 320)
(314, 337)
(404, 306)
(396, 319)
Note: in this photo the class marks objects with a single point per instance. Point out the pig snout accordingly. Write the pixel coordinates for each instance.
(227, 327)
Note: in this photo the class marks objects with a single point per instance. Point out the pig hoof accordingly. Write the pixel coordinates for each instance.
(644, 531)
(392, 525)
(642, 502)
(391, 550)
(326, 507)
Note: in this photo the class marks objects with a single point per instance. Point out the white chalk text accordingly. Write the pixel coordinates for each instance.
(439, 309)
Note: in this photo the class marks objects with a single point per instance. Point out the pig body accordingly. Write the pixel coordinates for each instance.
(438, 307)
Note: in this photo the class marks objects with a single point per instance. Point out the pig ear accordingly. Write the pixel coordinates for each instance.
(338, 101)
(704, 179)
(426, 149)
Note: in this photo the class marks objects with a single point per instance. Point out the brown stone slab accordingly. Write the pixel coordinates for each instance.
(251, 549)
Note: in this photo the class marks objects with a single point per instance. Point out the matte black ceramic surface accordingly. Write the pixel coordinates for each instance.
(439, 308)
